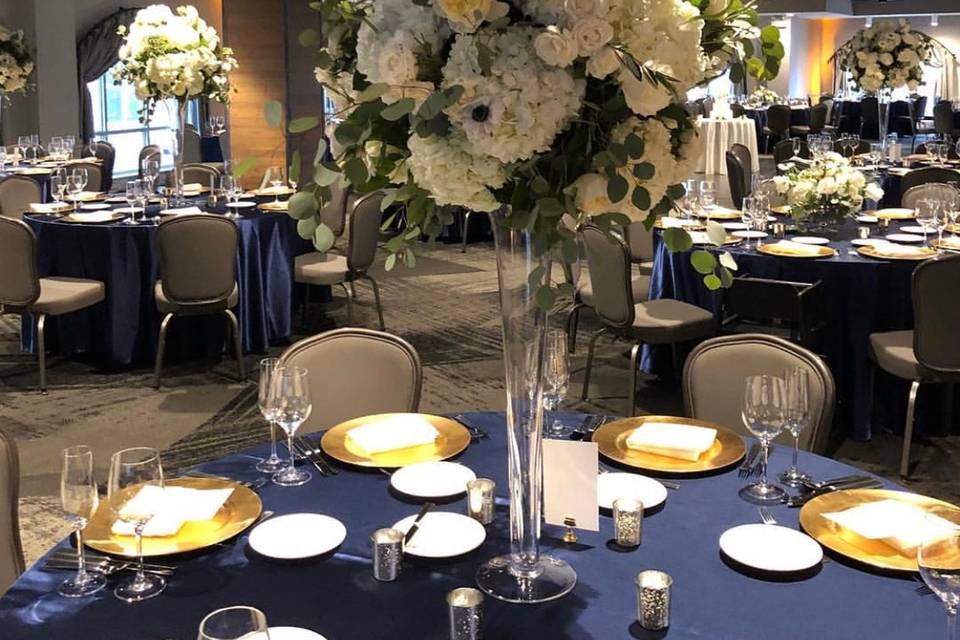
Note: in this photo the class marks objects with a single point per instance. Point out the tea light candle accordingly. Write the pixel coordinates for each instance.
(628, 521)
(480, 494)
(653, 599)
(466, 614)
(387, 553)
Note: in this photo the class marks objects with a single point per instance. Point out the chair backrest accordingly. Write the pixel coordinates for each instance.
(151, 151)
(334, 214)
(930, 191)
(94, 175)
(936, 315)
(19, 284)
(16, 194)
(927, 175)
(609, 262)
(818, 117)
(743, 154)
(364, 232)
(737, 178)
(943, 117)
(107, 155)
(917, 108)
(778, 118)
(639, 242)
(198, 258)
(737, 110)
(869, 111)
(952, 149)
(715, 373)
(762, 298)
(191, 145)
(707, 105)
(356, 372)
(11, 550)
(829, 102)
(783, 151)
(200, 173)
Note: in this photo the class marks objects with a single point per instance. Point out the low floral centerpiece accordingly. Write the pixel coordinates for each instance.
(764, 95)
(16, 65)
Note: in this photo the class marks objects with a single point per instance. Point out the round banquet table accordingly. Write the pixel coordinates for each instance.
(123, 329)
(719, 136)
(337, 596)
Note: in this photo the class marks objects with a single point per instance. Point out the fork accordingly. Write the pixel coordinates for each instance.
(476, 433)
(93, 558)
(766, 516)
(747, 466)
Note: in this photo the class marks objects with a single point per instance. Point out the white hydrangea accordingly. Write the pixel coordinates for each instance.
(452, 174)
(888, 55)
(830, 181)
(517, 109)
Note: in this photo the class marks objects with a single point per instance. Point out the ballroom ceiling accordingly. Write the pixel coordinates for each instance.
(854, 8)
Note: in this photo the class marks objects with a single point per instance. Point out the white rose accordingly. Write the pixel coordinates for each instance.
(782, 184)
(466, 16)
(886, 59)
(642, 97)
(584, 8)
(555, 47)
(591, 34)
(591, 194)
(398, 63)
(827, 186)
(603, 63)
(873, 192)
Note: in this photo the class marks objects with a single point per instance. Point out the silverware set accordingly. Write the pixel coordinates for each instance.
(314, 454)
(829, 486)
(106, 565)
(253, 485)
(752, 464)
(589, 426)
(476, 433)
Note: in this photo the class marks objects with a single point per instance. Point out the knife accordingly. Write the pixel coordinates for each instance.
(416, 522)
(751, 456)
(307, 452)
(799, 501)
(317, 452)
(813, 486)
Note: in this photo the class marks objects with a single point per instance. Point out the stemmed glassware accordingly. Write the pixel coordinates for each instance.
(939, 560)
(58, 186)
(132, 470)
(797, 147)
(150, 169)
(75, 188)
(556, 378)
(134, 187)
(82, 178)
(265, 399)
(798, 414)
(229, 186)
(926, 214)
(23, 143)
(290, 391)
(764, 414)
(234, 623)
(79, 500)
(747, 212)
(708, 197)
(276, 181)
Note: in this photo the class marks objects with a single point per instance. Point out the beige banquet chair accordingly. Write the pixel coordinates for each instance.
(931, 352)
(331, 269)
(94, 175)
(654, 322)
(930, 191)
(198, 270)
(16, 194)
(23, 292)
(149, 152)
(197, 173)
(334, 214)
(11, 549)
(356, 372)
(714, 379)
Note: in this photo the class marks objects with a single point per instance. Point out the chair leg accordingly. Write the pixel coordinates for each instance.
(908, 431)
(634, 356)
(161, 346)
(376, 299)
(573, 323)
(42, 351)
(346, 292)
(466, 228)
(306, 303)
(237, 343)
(586, 373)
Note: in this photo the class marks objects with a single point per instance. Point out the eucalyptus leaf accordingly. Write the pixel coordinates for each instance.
(712, 282)
(703, 261)
(308, 38)
(390, 262)
(635, 146)
(324, 176)
(546, 296)
(294, 170)
(398, 109)
(307, 227)
(727, 261)
(323, 238)
(303, 124)
(640, 198)
(677, 240)
(244, 166)
(301, 205)
(644, 170)
(726, 277)
(716, 233)
(273, 113)
(373, 92)
(617, 188)
(321, 151)
(536, 277)
(356, 171)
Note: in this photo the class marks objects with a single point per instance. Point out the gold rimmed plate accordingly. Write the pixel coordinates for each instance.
(895, 214)
(688, 225)
(873, 251)
(453, 439)
(720, 214)
(280, 207)
(947, 244)
(271, 191)
(811, 251)
(240, 511)
(93, 217)
(873, 553)
(781, 210)
(727, 450)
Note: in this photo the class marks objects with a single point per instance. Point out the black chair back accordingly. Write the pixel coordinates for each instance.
(943, 118)
(783, 151)
(737, 178)
(738, 110)
(818, 117)
(927, 175)
(778, 119)
(936, 315)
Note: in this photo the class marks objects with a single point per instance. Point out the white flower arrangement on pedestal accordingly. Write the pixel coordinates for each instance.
(763, 95)
(16, 63)
(887, 55)
(826, 191)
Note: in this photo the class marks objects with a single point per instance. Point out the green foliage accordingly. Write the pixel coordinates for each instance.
(273, 113)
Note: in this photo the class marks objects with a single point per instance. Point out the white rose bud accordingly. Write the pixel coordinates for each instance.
(555, 47)
(591, 34)
(603, 63)
(643, 98)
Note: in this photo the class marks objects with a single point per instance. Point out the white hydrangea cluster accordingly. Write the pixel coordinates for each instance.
(167, 54)
(828, 182)
(888, 55)
(516, 109)
(445, 167)
(16, 63)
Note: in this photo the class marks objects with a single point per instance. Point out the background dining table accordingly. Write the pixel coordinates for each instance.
(336, 595)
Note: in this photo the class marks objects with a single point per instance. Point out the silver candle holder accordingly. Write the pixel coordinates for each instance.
(480, 499)
(387, 554)
(466, 614)
(628, 521)
(653, 599)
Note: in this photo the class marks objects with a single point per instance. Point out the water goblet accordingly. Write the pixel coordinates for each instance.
(234, 623)
(926, 215)
(75, 188)
(290, 391)
(556, 376)
(939, 560)
(79, 500)
(764, 416)
(797, 383)
(275, 175)
(132, 196)
(268, 366)
(228, 184)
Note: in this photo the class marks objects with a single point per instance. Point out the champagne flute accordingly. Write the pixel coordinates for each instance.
(797, 147)
(234, 623)
(276, 181)
(556, 376)
(797, 383)
(79, 500)
(131, 471)
(268, 366)
(290, 391)
(764, 416)
(75, 188)
(228, 184)
(939, 560)
(132, 195)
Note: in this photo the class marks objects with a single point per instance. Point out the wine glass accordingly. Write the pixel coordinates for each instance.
(75, 188)
(234, 623)
(228, 184)
(82, 176)
(134, 187)
(797, 382)
(275, 175)
(58, 186)
(268, 366)
(290, 398)
(876, 153)
(132, 470)
(708, 197)
(92, 147)
(556, 378)
(150, 168)
(764, 415)
(926, 214)
(797, 147)
(939, 560)
(79, 500)
(689, 202)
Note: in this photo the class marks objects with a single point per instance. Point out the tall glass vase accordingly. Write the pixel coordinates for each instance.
(178, 137)
(524, 575)
(884, 96)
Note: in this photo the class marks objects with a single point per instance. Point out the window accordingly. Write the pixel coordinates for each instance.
(116, 119)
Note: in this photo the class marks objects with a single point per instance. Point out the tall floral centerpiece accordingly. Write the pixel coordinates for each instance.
(535, 111)
(16, 65)
(174, 55)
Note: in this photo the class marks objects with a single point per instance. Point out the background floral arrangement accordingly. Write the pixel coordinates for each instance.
(551, 107)
(16, 62)
(763, 95)
(829, 187)
(888, 55)
(174, 55)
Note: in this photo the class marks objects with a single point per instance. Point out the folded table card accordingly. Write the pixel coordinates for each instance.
(396, 432)
(570, 483)
(171, 508)
(682, 441)
(900, 525)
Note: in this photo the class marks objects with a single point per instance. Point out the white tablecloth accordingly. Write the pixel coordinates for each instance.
(719, 136)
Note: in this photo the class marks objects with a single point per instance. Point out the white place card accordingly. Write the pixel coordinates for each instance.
(570, 483)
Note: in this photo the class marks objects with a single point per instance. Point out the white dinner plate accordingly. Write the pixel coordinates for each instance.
(810, 240)
(294, 633)
(127, 210)
(770, 547)
(297, 536)
(443, 535)
(868, 219)
(243, 204)
(749, 234)
(432, 479)
(869, 242)
(903, 237)
(611, 486)
(734, 226)
(116, 199)
(95, 206)
(911, 228)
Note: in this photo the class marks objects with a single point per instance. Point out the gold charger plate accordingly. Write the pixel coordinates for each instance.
(953, 228)
(775, 249)
(93, 217)
(782, 209)
(695, 226)
(281, 207)
(871, 251)
(270, 191)
(611, 438)
(895, 214)
(34, 172)
(721, 215)
(453, 439)
(948, 244)
(873, 553)
(240, 511)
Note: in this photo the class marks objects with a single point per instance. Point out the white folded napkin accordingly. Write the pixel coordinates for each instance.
(681, 441)
(184, 211)
(799, 248)
(48, 207)
(902, 526)
(894, 249)
(192, 186)
(398, 432)
(171, 508)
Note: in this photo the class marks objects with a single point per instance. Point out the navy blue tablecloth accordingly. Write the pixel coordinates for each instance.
(338, 597)
(123, 330)
(210, 149)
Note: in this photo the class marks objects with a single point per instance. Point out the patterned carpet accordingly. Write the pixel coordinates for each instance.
(447, 308)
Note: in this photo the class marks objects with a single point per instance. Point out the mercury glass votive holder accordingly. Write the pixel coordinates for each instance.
(863, 232)
(653, 599)
(466, 613)
(480, 495)
(628, 521)
(387, 554)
